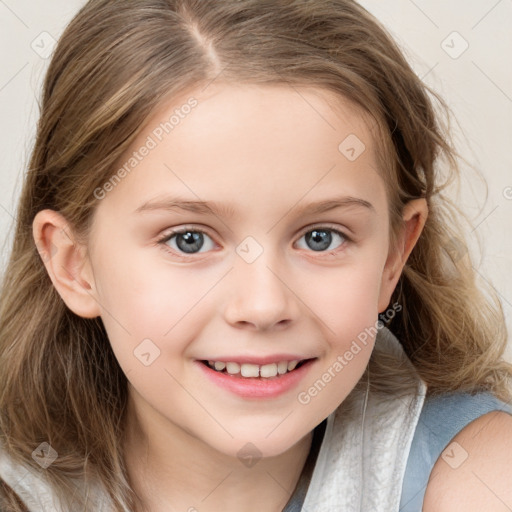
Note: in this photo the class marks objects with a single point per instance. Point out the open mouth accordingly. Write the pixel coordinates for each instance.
(254, 371)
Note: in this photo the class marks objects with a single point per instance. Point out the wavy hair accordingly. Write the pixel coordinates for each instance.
(114, 65)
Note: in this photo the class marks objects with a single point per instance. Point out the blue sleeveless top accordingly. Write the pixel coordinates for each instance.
(442, 417)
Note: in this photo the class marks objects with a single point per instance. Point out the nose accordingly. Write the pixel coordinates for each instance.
(259, 296)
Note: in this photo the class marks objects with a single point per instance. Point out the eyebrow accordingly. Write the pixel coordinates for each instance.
(221, 210)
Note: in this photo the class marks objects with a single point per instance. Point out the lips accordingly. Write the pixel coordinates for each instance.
(257, 387)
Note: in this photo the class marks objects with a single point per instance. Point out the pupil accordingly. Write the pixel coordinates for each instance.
(192, 241)
(321, 239)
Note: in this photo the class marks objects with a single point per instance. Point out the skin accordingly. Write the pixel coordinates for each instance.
(266, 152)
(482, 480)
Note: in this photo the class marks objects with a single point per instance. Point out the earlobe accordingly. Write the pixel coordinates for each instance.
(66, 263)
(414, 216)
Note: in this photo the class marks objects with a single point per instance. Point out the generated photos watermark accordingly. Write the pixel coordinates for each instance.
(305, 397)
(152, 141)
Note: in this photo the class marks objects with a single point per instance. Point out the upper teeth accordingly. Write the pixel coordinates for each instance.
(254, 370)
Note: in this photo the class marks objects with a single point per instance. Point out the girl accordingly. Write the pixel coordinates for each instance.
(233, 283)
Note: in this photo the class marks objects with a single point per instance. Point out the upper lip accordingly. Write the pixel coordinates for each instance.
(258, 360)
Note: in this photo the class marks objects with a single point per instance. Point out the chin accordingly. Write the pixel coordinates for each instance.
(258, 444)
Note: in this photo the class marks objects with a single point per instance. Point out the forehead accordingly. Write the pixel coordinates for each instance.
(255, 145)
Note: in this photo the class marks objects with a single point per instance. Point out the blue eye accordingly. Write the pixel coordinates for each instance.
(320, 239)
(188, 241)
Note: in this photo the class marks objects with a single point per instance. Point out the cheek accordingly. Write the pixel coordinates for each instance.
(144, 293)
(347, 300)
(348, 307)
(152, 301)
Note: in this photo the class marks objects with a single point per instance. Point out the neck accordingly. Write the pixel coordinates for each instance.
(170, 469)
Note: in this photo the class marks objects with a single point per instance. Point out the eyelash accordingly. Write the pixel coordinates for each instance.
(168, 236)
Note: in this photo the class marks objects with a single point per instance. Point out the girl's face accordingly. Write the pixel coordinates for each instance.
(282, 256)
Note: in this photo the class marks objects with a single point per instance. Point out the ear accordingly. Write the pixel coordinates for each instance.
(66, 263)
(414, 217)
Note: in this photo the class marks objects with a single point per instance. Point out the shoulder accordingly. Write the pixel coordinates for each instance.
(474, 471)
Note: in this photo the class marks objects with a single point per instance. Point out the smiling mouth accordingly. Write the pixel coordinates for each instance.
(247, 370)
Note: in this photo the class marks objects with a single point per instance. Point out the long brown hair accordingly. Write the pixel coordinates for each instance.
(114, 65)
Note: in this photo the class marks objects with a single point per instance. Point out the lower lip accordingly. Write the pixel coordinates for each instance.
(257, 387)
